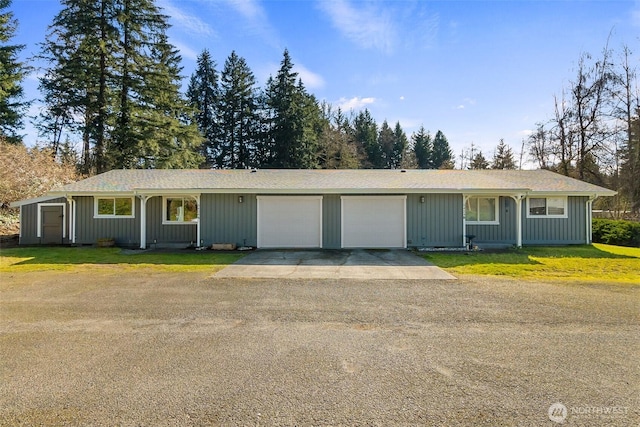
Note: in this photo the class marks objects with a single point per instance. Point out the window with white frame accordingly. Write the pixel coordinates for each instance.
(179, 210)
(482, 210)
(547, 207)
(113, 207)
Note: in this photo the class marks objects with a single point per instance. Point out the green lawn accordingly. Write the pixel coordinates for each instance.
(594, 264)
(105, 259)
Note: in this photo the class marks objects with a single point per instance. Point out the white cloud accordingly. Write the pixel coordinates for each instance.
(186, 22)
(354, 103)
(525, 132)
(250, 9)
(401, 98)
(185, 51)
(460, 107)
(368, 27)
(310, 79)
(256, 20)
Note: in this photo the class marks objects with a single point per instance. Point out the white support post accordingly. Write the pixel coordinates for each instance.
(72, 221)
(518, 199)
(464, 220)
(143, 221)
(199, 242)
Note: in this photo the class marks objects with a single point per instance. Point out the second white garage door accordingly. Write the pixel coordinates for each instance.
(289, 221)
(374, 222)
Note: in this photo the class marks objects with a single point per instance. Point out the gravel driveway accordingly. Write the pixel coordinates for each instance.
(186, 349)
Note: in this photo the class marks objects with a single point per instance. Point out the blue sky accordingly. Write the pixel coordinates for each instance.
(477, 70)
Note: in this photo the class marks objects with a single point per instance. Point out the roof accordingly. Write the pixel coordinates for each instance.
(166, 181)
(41, 199)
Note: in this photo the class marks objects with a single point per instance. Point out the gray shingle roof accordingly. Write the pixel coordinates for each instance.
(328, 181)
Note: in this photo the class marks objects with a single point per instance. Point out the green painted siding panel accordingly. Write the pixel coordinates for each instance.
(225, 220)
(505, 232)
(126, 231)
(435, 223)
(29, 223)
(331, 221)
(167, 234)
(556, 231)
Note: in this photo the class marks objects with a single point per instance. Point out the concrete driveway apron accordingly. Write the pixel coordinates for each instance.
(334, 264)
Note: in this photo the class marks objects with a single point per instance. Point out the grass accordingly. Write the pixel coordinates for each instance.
(111, 259)
(590, 264)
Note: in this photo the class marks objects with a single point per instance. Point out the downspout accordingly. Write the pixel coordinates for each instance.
(589, 219)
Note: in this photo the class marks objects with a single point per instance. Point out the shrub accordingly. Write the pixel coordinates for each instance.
(616, 232)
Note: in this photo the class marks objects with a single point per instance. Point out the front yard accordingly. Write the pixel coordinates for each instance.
(590, 264)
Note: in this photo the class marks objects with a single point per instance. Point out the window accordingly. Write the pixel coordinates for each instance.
(113, 207)
(180, 210)
(482, 210)
(547, 207)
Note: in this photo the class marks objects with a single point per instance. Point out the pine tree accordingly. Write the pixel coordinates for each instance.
(400, 145)
(442, 157)
(12, 72)
(387, 140)
(479, 161)
(503, 157)
(76, 85)
(114, 78)
(630, 169)
(292, 133)
(422, 148)
(203, 94)
(238, 117)
(365, 132)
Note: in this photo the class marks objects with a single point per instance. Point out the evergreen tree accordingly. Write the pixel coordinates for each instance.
(400, 145)
(114, 78)
(203, 94)
(365, 132)
(238, 114)
(423, 148)
(503, 157)
(442, 157)
(386, 140)
(479, 161)
(12, 72)
(78, 49)
(630, 169)
(291, 137)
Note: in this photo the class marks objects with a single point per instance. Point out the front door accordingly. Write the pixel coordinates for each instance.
(52, 218)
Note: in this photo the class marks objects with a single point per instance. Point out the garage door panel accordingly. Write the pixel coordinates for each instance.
(373, 221)
(289, 221)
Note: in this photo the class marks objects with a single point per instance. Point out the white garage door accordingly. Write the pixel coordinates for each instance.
(374, 222)
(289, 221)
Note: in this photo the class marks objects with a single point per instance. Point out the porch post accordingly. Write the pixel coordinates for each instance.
(143, 221)
(464, 220)
(198, 243)
(72, 221)
(589, 219)
(518, 200)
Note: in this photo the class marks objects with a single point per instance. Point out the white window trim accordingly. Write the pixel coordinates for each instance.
(165, 221)
(566, 206)
(64, 218)
(96, 215)
(496, 207)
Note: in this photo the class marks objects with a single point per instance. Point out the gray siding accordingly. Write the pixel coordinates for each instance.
(158, 233)
(505, 232)
(556, 231)
(125, 231)
(29, 223)
(331, 221)
(435, 223)
(225, 220)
